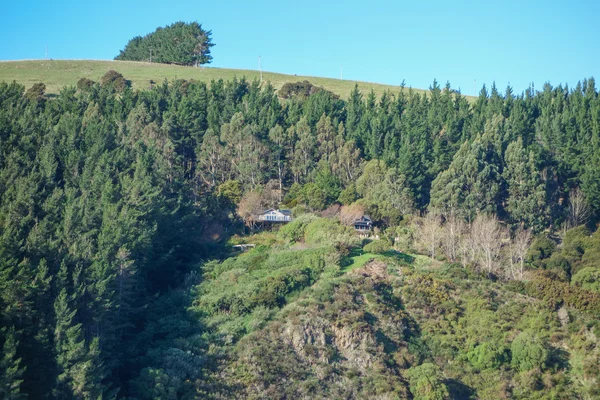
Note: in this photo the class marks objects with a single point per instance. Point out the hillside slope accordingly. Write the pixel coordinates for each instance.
(59, 73)
(288, 323)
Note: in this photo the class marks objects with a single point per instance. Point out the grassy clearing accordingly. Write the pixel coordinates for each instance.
(357, 260)
(56, 74)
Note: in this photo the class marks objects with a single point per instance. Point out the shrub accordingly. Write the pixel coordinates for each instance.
(488, 355)
(591, 257)
(426, 382)
(114, 80)
(555, 293)
(325, 231)
(588, 278)
(574, 242)
(377, 247)
(528, 352)
(301, 90)
(294, 231)
(36, 92)
(540, 249)
(559, 265)
(331, 212)
(85, 84)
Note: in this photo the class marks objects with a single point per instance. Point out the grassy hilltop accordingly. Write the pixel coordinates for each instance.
(59, 73)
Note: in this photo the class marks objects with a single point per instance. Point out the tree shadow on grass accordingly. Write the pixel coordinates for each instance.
(459, 390)
(403, 257)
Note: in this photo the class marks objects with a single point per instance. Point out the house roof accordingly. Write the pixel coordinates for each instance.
(284, 212)
(363, 220)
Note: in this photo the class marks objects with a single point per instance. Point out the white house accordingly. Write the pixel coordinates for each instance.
(275, 216)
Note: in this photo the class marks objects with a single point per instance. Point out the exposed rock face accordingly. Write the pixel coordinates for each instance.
(350, 341)
(375, 269)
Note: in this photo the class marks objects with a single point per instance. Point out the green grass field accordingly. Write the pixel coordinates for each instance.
(56, 74)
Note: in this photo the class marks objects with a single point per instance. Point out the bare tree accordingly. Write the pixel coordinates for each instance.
(250, 205)
(517, 251)
(579, 210)
(487, 235)
(331, 212)
(451, 235)
(429, 232)
(465, 246)
(350, 213)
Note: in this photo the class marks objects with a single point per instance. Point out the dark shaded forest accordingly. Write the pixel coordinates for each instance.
(112, 201)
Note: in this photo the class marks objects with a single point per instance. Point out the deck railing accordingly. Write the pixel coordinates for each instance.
(274, 218)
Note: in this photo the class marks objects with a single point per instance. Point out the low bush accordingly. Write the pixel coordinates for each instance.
(85, 84)
(556, 293)
(528, 352)
(294, 231)
(36, 92)
(377, 247)
(115, 80)
(541, 249)
(488, 355)
(587, 278)
(328, 232)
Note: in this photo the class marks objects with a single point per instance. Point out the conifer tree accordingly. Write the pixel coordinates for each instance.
(472, 182)
(590, 183)
(304, 149)
(11, 371)
(325, 135)
(354, 110)
(526, 203)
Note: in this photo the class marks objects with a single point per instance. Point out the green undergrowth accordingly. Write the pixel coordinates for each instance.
(294, 319)
(244, 288)
(298, 323)
(357, 258)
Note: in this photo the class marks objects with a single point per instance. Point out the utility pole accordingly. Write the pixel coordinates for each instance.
(259, 69)
(46, 52)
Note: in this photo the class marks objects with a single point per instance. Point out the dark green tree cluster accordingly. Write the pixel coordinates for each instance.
(513, 156)
(99, 215)
(179, 43)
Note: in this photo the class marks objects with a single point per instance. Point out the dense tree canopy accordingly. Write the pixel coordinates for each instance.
(111, 199)
(179, 43)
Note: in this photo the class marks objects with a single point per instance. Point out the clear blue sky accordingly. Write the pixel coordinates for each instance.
(514, 42)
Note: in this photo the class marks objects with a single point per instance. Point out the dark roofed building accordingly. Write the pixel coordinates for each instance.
(364, 223)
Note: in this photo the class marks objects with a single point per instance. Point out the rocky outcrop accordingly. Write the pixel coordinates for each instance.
(348, 341)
